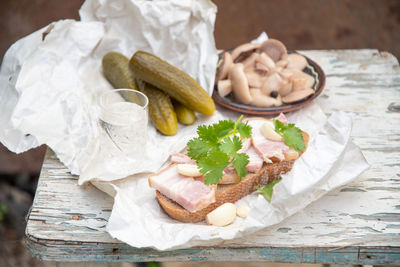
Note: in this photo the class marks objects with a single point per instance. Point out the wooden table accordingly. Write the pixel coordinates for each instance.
(358, 223)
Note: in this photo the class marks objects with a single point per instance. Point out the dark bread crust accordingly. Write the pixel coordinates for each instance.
(230, 192)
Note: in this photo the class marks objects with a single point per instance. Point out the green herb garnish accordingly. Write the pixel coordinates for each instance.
(291, 134)
(267, 190)
(217, 146)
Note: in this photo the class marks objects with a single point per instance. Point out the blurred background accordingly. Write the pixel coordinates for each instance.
(311, 24)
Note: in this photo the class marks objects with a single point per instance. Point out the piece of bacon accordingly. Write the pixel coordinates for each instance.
(282, 118)
(181, 158)
(266, 149)
(255, 161)
(191, 194)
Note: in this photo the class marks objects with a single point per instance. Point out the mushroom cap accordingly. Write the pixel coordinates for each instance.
(301, 80)
(243, 51)
(296, 61)
(273, 48)
(298, 95)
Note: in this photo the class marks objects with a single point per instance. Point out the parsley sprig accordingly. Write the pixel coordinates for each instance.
(291, 134)
(267, 190)
(217, 146)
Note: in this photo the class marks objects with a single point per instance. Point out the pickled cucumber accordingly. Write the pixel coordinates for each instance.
(185, 115)
(161, 111)
(116, 70)
(172, 81)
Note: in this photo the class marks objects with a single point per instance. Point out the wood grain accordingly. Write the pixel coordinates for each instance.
(358, 223)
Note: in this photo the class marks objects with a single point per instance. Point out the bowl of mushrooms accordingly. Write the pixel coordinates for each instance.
(266, 79)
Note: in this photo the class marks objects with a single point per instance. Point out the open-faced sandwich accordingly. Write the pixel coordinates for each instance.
(226, 162)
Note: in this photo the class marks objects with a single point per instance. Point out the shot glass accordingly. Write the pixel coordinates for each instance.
(124, 118)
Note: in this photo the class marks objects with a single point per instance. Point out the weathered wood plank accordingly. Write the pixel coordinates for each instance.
(358, 223)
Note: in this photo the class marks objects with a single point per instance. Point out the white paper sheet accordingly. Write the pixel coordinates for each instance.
(331, 160)
(49, 87)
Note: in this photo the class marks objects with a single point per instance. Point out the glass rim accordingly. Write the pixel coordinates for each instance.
(104, 106)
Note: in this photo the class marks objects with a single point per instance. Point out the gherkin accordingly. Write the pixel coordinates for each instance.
(172, 81)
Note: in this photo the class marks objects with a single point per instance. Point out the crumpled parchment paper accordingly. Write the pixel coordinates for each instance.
(331, 160)
(49, 84)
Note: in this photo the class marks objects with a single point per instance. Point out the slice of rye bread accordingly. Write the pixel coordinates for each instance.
(230, 192)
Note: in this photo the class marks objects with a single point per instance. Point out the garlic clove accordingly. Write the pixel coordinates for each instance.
(223, 215)
(189, 170)
(242, 210)
(268, 131)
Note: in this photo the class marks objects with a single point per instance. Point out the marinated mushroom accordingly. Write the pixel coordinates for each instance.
(243, 51)
(296, 61)
(264, 75)
(265, 60)
(224, 68)
(273, 48)
(249, 61)
(272, 83)
(297, 95)
(254, 78)
(224, 87)
(301, 80)
(240, 86)
(262, 100)
(286, 88)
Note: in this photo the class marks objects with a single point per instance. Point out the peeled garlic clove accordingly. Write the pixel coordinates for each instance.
(223, 215)
(189, 170)
(242, 210)
(297, 95)
(291, 155)
(268, 131)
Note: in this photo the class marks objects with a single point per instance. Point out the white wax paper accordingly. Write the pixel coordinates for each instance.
(49, 88)
(331, 160)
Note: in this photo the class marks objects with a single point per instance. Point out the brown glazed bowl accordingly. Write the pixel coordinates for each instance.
(312, 69)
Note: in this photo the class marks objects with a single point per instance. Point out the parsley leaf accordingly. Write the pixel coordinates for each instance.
(217, 146)
(244, 130)
(230, 145)
(291, 134)
(239, 163)
(198, 148)
(223, 128)
(267, 190)
(213, 166)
